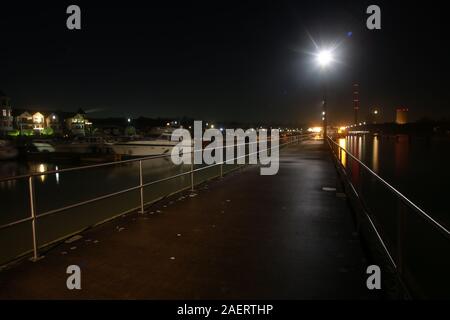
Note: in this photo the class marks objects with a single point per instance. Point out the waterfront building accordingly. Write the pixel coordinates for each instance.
(401, 116)
(24, 121)
(78, 124)
(28, 122)
(52, 120)
(6, 117)
(38, 122)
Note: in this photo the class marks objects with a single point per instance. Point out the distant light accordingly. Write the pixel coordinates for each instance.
(342, 129)
(360, 124)
(364, 122)
(323, 118)
(323, 113)
(53, 117)
(375, 112)
(129, 120)
(315, 129)
(167, 124)
(221, 129)
(212, 126)
(207, 124)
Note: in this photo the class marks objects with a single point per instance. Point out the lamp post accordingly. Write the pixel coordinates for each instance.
(324, 58)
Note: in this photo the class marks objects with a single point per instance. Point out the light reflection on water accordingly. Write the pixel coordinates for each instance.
(408, 164)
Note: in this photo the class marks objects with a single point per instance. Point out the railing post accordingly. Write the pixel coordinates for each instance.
(141, 189)
(33, 217)
(192, 166)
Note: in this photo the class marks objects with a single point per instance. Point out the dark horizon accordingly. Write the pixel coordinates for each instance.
(223, 61)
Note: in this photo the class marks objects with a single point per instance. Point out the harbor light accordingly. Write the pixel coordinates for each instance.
(315, 129)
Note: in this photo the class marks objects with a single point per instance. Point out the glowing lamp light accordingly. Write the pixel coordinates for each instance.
(324, 58)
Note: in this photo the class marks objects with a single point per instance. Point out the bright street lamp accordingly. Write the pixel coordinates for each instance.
(324, 58)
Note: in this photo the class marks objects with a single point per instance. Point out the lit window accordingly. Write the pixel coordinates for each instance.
(4, 112)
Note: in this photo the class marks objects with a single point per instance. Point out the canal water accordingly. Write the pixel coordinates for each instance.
(419, 169)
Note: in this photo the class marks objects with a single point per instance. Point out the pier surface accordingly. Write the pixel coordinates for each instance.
(243, 236)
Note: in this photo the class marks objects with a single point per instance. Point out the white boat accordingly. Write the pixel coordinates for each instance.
(43, 146)
(141, 148)
(7, 150)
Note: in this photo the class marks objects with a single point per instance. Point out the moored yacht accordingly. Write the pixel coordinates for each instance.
(146, 147)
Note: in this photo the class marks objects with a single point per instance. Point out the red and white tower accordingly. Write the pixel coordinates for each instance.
(356, 101)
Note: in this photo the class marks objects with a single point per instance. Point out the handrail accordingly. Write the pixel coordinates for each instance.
(408, 202)
(112, 163)
(34, 216)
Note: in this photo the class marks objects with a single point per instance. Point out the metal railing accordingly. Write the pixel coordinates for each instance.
(387, 209)
(35, 216)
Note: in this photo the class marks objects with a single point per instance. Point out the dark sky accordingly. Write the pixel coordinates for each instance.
(224, 60)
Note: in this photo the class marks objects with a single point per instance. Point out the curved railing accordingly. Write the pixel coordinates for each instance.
(412, 240)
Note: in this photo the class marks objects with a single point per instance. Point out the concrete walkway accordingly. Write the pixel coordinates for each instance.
(244, 236)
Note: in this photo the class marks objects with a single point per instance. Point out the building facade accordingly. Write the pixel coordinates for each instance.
(78, 124)
(6, 117)
(401, 115)
(52, 120)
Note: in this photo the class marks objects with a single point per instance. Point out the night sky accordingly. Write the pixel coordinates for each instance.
(224, 60)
